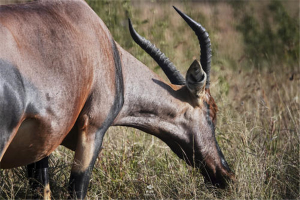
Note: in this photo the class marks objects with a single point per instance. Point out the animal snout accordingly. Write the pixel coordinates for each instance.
(220, 178)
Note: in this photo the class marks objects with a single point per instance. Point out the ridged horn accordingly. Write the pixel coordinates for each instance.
(167, 66)
(205, 45)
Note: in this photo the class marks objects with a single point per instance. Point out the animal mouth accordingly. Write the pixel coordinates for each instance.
(217, 173)
(220, 179)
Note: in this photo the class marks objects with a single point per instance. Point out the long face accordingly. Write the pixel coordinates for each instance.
(195, 140)
(197, 144)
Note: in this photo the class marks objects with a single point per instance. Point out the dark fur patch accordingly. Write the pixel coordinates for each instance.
(118, 101)
(38, 175)
(119, 92)
(12, 95)
(211, 116)
(79, 181)
(12, 100)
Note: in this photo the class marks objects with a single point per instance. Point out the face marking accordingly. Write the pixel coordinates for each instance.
(216, 169)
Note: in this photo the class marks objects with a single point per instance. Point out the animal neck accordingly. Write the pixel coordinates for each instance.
(150, 104)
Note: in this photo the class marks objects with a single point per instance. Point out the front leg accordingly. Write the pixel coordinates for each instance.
(39, 178)
(87, 150)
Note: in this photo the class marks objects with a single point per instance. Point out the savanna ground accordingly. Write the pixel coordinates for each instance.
(255, 82)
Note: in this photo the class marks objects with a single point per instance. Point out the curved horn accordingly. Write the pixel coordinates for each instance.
(167, 66)
(205, 45)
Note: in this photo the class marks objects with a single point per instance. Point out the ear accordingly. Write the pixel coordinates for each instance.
(195, 78)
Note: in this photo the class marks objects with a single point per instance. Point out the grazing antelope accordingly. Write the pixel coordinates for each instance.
(64, 80)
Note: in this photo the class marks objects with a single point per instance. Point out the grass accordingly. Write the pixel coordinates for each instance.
(258, 124)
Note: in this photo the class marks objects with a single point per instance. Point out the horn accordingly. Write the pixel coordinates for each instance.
(205, 45)
(167, 66)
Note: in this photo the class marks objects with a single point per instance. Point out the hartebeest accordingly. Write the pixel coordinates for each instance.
(64, 80)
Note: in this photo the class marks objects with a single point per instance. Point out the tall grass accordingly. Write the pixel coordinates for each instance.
(258, 124)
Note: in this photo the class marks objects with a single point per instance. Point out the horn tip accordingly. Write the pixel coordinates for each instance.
(131, 29)
(177, 9)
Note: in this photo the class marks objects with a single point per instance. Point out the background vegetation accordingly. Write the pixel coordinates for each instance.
(255, 82)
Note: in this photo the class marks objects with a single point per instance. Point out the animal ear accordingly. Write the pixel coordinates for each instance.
(196, 78)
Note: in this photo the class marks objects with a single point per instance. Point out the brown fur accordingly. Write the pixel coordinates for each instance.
(213, 108)
(65, 57)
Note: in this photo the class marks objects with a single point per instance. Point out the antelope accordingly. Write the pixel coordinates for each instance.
(65, 81)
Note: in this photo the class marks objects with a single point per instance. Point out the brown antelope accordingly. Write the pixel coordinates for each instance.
(64, 80)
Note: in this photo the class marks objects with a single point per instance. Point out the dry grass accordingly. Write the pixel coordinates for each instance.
(258, 121)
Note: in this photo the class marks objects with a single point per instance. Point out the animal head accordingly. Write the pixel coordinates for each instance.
(195, 140)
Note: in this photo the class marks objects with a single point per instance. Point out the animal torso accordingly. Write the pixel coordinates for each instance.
(58, 59)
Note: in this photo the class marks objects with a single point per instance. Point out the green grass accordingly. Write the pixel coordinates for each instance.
(258, 124)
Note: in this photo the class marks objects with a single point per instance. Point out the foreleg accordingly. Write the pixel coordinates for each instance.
(39, 178)
(87, 150)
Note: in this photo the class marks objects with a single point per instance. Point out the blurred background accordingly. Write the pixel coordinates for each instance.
(255, 80)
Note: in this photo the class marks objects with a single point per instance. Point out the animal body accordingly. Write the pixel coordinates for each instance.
(64, 80)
